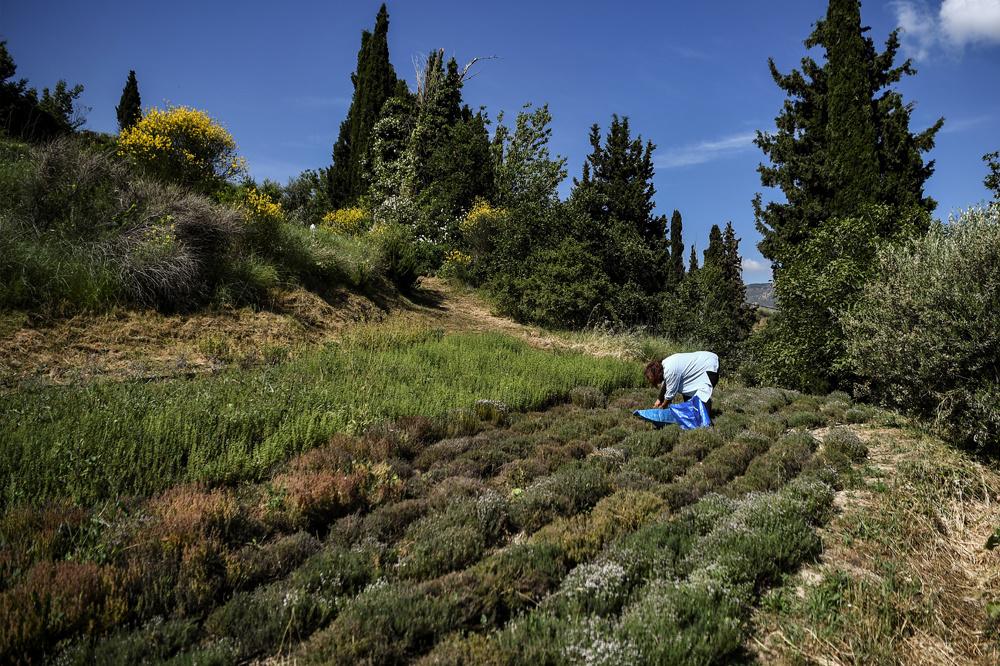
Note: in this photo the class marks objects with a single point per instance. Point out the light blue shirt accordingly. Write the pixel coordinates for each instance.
(688, 374)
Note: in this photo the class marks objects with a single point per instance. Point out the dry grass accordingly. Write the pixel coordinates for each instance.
(905, 577)
(130, 344)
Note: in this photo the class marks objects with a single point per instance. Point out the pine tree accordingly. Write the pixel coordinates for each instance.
(676, 250)
(843, 140)
(374, 82)
(620, 173)
(615, 198)
(129, 107)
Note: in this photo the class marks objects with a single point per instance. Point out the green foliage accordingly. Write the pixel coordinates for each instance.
(852, 174)
(676, 275)
(709, 304)
(992, 180)
(304, 198)
(374, 82)
(923, 334)
(129, 109)
(566, 289)
(614, 201)
(802, 345)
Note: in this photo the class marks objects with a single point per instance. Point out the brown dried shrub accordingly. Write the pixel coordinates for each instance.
(53, 601)
(29, 534)
(314, 499)
(188, 514)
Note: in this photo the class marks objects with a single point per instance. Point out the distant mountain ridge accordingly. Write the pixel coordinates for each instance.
(762, 294)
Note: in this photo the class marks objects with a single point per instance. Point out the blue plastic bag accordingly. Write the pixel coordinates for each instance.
(688, 415)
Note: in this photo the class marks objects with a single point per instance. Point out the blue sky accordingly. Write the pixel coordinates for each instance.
(692, 77)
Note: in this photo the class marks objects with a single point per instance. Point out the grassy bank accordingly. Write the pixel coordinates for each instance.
(94, 442)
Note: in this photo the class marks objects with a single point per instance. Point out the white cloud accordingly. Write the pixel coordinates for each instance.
(755, 271)
(705, 151)
(919, 28)
(956, 24)
(963, 124)
(968, 21)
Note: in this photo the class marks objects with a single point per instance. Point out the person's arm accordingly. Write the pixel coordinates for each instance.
(661, 401)
(668, 390)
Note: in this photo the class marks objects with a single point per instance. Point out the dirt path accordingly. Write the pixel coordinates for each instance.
(145, 344)
(904, 576)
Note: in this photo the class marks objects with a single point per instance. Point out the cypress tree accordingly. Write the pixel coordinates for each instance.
(676, 249)
(374, 82)
(714, 253)
(129, 107)
(724, 319)
(843, 140)
(693, 261)
(621, 175)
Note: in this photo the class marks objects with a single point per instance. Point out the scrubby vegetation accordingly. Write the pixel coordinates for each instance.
(923, 336)
(82, 230)
(555, 535)
(403, 494)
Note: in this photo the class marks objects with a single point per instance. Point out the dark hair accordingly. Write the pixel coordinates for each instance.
(653, 372)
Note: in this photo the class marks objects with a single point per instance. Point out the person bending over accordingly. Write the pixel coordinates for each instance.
(691, 374)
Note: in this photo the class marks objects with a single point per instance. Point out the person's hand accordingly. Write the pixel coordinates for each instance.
(657, 404)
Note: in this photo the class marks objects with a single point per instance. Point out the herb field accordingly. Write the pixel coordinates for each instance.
(103, 440)
(578, 534)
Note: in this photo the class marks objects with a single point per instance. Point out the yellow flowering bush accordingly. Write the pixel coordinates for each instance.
(183, 145)
(481, 213)
(261, 208)
(348, 220)
(456, 265)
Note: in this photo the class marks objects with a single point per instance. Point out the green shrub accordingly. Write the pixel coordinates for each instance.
(803, 346)
(847, 442)
(909, 355)
(259, 622)
(587, 397)
(767, 534)
(805, 419)
(564, 288)
(155, 641)
(574, 487)
(400, 255)
(443, 542)
(253, 565)
(775, 467)
(652, 442)
(386, 623)
(689, 622)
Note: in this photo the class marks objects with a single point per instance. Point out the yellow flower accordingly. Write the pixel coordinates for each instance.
(348, 220)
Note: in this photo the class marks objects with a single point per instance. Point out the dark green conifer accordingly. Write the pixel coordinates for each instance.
(714, 252)
(374, 82)
(676, 250)
(843, 140)
(615, 196)
(129, 107)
